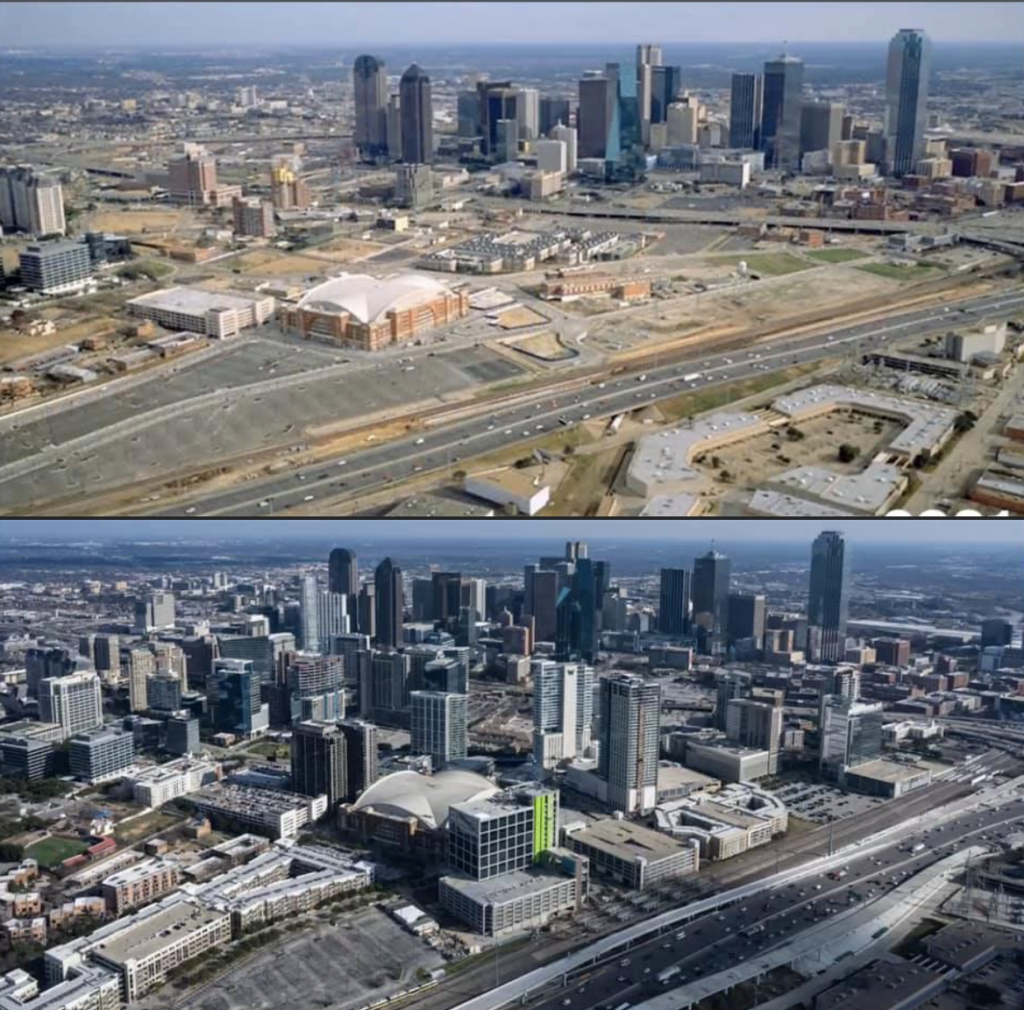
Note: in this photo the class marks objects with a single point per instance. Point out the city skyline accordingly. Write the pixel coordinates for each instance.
(356, 531)
(115, 24)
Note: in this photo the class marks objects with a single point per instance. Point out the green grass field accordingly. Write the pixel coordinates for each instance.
(53, 851)
(835, 255)
(915, 273)
(765, 264)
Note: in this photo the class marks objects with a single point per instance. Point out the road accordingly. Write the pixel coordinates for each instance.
(795, 851)
(715, 942)
(441, 449)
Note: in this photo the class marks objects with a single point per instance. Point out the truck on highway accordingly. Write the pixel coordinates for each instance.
(667, 975)
(615, 424)
(692, 377)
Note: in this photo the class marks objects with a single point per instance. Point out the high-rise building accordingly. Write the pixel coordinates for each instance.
(107, 657)
(906, 106)
(747, 615)
(73, 702)
(439, 726)
(31, 202)
(552, 156)
(182, 734)
(596, 117)
(28, 758)
(253, 217)
(316, 685)
(100, 753)
(674, 607)
(360, 756)
(367, 610)
(140, 666)
(504, 833)
(507, 147)
(414, 186)
(332, 617)
(710, 588)
(163, 693)
(55, 268)
(343, 572)
(629, 720)
(850, 734)
(193, 176)
(577, 614)
(783, 103)
(390, 604)
(756, 724)
(53, 662)
(563, 710)
(828, 604)
(318, 761)
(821, 126)
(746, 111)
(996, 631)
(683, 120)
(417, 117)
(552, 112)
(154, 613)
(287, 190)
(239, 707)
(309, 613)
(568, 136)
(265, 651)
(647, 58)
(666, 83)
(496, 102)
(447, 599)
(370, 80)
(541, 601)
(528, 113)
(730, 686)
(384, 687)
(468, 112)
(394, 117)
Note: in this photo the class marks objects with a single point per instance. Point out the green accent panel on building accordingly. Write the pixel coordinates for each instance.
(544, 824)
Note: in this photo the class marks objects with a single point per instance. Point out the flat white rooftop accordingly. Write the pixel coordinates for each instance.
(869, 491)
(775, 503)
(663, 505)
(192, 301)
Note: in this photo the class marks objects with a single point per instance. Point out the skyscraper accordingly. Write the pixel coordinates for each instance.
(239, 707)
(496, 101)
(674, 607)
(828, 604)
(783, 102)
(906, 99)
(417, 117)
(710, 589)
(563, 710)
(552, 112)
(31, 202)
(629, 725)
(746, 111)
(310, 614)
(666, 83)
(370, 79)
(390, 604)
(647, 58)
(596, 115)
(731, 685)
(821, 126)
(360, 756)
(755, 724)
(316, 683)
(747, 614)
(73, 702)
(318, 761)
(343, 572)
(528, 113)
(540, 601)
(850, 733)
(154, 612)
(439, 726)
(447, 599)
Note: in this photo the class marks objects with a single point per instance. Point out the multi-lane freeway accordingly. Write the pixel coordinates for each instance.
(741, 932)
(444, 447)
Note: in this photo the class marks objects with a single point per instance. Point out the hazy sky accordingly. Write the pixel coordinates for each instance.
(347, 25)
(896, 531)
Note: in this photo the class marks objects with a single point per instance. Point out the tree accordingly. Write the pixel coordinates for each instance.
(965, 422)
(848, 453)
(795, 435)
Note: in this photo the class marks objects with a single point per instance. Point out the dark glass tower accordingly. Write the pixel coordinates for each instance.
(390, 602)
(417, 117)
(711, 599)
(906, 93)
(828, 606)
(783, 101)
(370, 78)
(674, 609)
(747, 109)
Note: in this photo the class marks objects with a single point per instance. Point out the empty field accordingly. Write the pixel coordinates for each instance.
(766, 264)
(914, 273)
(270, 264)
(835, 255)
(344, 250)
(138, 222)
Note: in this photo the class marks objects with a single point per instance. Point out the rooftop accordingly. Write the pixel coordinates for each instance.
(775, 503)
(192, 301)
(869, 491)
(151, 931)
(626, 840)
(671, 505)
(370, 299)
(140, 871)
(887, 771)
(426, 797)
(879, 986)
(504, 888)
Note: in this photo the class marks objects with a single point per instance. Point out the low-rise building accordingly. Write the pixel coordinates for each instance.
(153, 787)
(139, 884)
(883, 985)
(890, 779)
(726, 761)
(273, 812)
(510, 488)
(90, 987)
(211, 313)
(632, 855)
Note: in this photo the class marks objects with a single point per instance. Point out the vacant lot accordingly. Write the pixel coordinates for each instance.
(14, 345)
(544, 345)
(909, 274)
(346, 250)
(148, 824)
(836, 255)
(273, 264)
(53, 851)
(520, 317)
(138, 222)
(766, 264)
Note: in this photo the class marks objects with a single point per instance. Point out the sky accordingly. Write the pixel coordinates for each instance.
(894, 531)
(347, 25)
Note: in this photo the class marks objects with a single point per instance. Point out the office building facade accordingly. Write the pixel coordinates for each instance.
(906, 100)
(31, 202)
(828, 604)
(54, 268)
(850, 734)
(783, 104)
(100, 753)
(563, 710)
(746, 111)
(389, 604)
(439, 726)
(370, 83)
(674, 602)
(629, 726)
(73, 702)
(240, 710)
(757, 725)
(417, 117)
(319, 766)
(710, 589)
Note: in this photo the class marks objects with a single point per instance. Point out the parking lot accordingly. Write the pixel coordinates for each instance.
(359, 961)
(821, 803)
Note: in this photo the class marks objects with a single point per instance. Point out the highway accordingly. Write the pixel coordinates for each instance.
(741, 932)
(439, 450)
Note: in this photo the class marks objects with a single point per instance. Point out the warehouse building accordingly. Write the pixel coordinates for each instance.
(211, 313)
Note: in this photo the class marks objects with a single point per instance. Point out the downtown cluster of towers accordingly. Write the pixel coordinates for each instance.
(620, 108)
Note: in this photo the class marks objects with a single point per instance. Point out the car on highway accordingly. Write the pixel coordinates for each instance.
(419, 441)
(264, 505)
(190, 511)
(309, 497)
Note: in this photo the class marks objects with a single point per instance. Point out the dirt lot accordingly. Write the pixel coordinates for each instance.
(518, 318)
(14, 345)
(345, 250)
(137, 222)
(542, 345)
(273, 264)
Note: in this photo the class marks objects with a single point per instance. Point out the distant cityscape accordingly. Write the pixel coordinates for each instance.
(377, 780)
(457, 281)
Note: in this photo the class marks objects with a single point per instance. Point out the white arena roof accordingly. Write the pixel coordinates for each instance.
(369, 299)
(426, 797)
